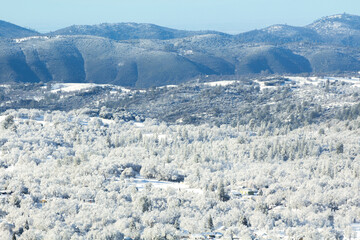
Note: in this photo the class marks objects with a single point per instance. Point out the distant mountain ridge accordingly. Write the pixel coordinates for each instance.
(343, 24)
(126, 31)
(144, 55)
(280, 34)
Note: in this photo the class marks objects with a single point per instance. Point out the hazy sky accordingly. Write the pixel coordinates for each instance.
(231, 16)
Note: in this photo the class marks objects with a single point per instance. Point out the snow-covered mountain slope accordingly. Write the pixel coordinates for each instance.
(145, 55)
(341, 29)
(9, 30)
(344, 24)
(127, 31)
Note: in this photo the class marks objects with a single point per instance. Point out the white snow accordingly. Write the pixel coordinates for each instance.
(355, 227)
(274, 28)
(335, 16)
(71, 87)
(189, 52)
(139, 124)
(140, 183)
(306, 80)
(277, 27)
(19, 40)
(108, 121)
(262, 85)
(168, 86)
(299, 81)
(151, 135)
(125, 89)
(354, 81)
(220, 83)
(2, 118)
(316, 80)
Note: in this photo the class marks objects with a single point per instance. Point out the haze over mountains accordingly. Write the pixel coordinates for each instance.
(144, 55)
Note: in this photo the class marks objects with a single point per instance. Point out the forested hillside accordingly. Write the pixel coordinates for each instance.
(264, 158)
(145, 55)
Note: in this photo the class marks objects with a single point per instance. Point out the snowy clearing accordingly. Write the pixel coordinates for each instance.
(20, 40)
(73, 87)
(140, 183)
(316, 80)
(220, 83)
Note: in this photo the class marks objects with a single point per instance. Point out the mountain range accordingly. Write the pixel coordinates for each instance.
(145, 55)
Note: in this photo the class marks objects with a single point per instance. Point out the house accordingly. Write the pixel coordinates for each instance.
(243, 191)
(248, 191)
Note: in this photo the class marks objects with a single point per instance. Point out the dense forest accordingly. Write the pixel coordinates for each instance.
(105, 162)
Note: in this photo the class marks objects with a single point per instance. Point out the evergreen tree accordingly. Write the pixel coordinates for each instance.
(340, 148)
(210, 224)
(221, 192)
(8, 122)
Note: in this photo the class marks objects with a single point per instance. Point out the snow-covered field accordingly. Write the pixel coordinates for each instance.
(72, 87)
(302, 81)
(220, 83)
(317, 80)
(19, 40)
(293, 80)
(140, 183)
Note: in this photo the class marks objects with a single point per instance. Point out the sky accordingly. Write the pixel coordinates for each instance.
(231, 16)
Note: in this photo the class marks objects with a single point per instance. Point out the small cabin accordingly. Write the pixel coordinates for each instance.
(243, 192)
(248, 191)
